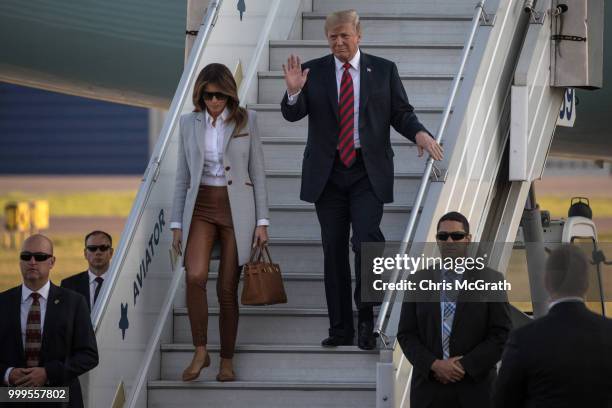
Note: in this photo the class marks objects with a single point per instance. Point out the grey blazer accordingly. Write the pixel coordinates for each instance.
(244, 163)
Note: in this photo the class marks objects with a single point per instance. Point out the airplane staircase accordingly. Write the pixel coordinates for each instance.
(279, 361)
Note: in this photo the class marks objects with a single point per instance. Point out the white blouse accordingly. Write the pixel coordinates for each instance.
(213, 173)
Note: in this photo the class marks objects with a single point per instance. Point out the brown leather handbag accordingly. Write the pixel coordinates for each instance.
(263, 282)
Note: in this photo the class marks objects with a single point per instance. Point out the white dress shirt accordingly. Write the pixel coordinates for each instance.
(92, 286)
(356, 76)
(26, 303)
(213, 173)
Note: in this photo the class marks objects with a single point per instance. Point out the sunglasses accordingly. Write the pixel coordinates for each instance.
(209, 95)
(94, 248)
(456, 236)
(38, 256)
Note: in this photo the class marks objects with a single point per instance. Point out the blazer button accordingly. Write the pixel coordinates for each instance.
(229, 183)
(227, 168)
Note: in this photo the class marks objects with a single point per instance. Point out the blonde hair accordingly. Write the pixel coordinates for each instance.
(343, 17)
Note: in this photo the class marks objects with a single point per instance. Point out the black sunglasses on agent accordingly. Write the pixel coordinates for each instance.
(38, 256)
(94, 248)
(209, 95)
(456, 235)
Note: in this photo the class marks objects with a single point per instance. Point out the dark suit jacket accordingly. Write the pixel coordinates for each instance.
(80, 284)
(68, 348)
(479, 332)
(382, 103)
(563, 359)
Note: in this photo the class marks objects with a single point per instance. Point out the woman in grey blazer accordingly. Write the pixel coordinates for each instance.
(220, 193)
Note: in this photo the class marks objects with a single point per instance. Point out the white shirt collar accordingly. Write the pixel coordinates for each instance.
(354, 62)
(43, 292)
(565, 299)
(93, 276)
(209, 118)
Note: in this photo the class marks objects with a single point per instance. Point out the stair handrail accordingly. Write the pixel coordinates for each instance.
(182, 92)
(152, 171)
(389, 297)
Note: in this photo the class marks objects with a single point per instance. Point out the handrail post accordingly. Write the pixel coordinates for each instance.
(390, 295)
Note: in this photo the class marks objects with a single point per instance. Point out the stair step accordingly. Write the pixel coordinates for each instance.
(408, 56)
(442, 7)
(422, 89)
(278, 362)
(396, 27)
(305, 290)
(272, 124)
(300, 256)
(261, 394)
(300, 221)
(285, 157)
(284, 188)
(263, 325)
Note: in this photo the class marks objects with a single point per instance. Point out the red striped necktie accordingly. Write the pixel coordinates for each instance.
(33, 338)
(346, 106)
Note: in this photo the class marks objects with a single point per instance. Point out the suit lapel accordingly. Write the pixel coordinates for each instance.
(54, 303)
(85, 284)
(227, 134)
(331, 85)
(462, 302)
(199, 128)
(365, 70)
(16, 321)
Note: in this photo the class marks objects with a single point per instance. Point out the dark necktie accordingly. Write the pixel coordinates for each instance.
(33, 338)
(346, 143)
(99, 280)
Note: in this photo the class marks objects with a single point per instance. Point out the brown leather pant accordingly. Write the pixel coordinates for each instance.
(212, 220)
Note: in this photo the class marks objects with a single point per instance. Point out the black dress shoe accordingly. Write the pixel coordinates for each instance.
(334, 341)
(365, 336)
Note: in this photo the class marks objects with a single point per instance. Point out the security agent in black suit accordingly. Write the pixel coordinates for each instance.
(59, 344)
(347, 169)
(454, 345)
(98, 253)
(563, 359)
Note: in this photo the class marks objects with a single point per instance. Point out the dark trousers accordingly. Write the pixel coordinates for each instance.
(347, 200)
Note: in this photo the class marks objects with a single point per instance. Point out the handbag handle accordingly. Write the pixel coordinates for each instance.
(267, 256)
(256, 254)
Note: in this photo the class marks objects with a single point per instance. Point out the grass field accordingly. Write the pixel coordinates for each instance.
(83, 204)
(69, 248)
(119, 203)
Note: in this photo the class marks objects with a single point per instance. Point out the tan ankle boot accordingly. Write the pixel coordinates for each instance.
(226, 370)
(197, 364)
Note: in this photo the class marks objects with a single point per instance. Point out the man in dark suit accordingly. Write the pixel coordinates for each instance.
(47, 338)
(98, 253)
(563, 359)
(453, 339)
(351, 99)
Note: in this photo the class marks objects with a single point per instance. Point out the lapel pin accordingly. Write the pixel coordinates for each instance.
(369, 69)
(56, 301)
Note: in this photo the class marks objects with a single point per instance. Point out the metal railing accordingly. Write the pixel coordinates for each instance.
(479, 14)
(152, 171)
(183, 91)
